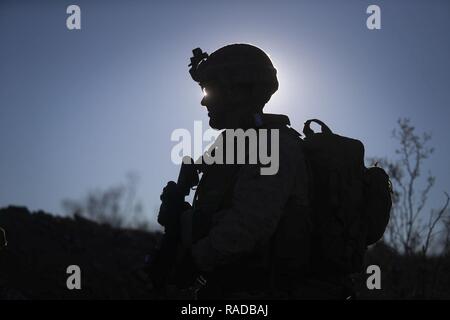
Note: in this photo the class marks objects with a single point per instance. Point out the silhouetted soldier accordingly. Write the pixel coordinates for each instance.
(231, 230)
(299, 232)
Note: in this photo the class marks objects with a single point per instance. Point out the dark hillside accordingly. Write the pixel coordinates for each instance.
(42, 246)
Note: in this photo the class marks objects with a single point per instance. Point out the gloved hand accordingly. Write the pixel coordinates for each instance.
(172, 206)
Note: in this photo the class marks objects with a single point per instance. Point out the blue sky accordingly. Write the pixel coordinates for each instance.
(80, 109)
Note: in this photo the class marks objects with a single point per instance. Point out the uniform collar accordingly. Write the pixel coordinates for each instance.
(265, 120)
(271, 120)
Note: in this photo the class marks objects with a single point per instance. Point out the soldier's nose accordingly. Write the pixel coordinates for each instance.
(203, 102)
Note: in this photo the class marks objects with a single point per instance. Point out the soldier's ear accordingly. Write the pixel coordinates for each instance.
(261, 95)
(239, 94)
(233, 95)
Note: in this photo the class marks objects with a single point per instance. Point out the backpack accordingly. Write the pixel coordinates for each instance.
(350, 204)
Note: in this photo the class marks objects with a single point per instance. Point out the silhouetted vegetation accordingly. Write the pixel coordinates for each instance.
(410, 268)
(414, 226)
(116, 206)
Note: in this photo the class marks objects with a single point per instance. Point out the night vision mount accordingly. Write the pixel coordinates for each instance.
(196, 59)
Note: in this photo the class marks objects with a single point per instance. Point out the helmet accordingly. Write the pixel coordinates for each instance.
(235, 64)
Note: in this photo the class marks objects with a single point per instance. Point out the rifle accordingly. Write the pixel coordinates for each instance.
(161, 267)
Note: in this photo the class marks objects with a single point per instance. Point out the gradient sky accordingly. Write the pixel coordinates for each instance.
(80, 109)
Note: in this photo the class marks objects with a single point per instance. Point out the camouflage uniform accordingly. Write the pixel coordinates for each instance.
(250, 232)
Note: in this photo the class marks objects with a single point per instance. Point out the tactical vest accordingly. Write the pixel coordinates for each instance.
(274, 264)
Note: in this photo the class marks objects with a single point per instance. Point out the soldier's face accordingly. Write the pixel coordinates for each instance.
(223, 104)
(218, 104)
